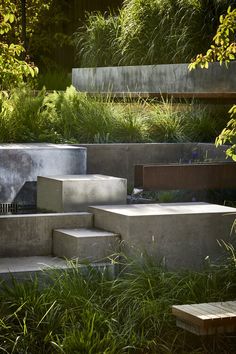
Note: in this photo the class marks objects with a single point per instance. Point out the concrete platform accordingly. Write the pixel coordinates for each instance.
(25, 268)
(31, 234)
(67, 193)
(85, 244)
(181, 234)
(29, 264)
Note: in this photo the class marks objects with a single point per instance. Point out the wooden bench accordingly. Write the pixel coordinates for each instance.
(206, 318)
(194, 176)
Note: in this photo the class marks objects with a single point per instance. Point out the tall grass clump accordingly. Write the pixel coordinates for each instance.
(130, 123)
(83, 310)
(149, 32)
(78, 117)
(167, 123)
(96, 43)
(20, 115)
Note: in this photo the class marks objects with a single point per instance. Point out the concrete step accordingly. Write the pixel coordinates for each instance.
(181, 234)
(25, 268)
(85, 244)
(68, 193)
(31, 234)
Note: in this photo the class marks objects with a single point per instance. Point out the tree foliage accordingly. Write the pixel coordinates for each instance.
(13, 70)
(223, 50)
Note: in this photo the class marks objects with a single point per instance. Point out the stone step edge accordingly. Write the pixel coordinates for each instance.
(36, 264)
(85, 232)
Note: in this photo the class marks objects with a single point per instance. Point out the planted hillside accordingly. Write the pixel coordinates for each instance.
(75, 117)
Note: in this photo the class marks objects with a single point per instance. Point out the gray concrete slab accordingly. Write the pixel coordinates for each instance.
(26, 268)
(181, 234)
(30, 264)
(75, 193)
(165, 78)
(20, 164)
(31, 234)
(85, 244)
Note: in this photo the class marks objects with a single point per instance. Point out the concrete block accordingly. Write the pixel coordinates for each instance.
(20, 164)
(181, 234)
(31, 234)
(85, 244)
(76, 193)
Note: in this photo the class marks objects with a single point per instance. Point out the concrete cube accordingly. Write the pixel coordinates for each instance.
(77, 192)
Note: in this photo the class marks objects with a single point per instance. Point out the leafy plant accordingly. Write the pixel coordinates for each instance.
(223, 50)
(13, 70)
(53, 80)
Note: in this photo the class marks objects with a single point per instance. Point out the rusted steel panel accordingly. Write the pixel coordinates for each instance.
(187, 176)
(138, 176)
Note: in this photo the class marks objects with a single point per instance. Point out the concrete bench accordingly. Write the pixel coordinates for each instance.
(207, 318)
(194, 176)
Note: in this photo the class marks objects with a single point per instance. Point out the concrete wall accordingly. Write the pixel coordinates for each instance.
(20, 164)
(170, 78)
(31, 235)
(118, 160)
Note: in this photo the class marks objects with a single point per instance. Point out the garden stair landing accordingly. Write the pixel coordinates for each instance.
(182, 235)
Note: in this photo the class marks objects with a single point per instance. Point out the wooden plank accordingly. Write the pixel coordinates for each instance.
(188, 314)
(216, 310)
(205, 331)
(223, 309)
(207, 315)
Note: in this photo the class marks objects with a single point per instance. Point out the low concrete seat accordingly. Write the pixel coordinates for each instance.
(77, 192)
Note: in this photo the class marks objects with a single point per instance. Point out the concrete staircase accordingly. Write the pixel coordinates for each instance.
(32, 242)
(181, 234)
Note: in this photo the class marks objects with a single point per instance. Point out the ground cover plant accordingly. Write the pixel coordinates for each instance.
(14, 70)
(92, 312)
(73, 117)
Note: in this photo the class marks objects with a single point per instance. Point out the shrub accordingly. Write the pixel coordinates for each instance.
(149, 32)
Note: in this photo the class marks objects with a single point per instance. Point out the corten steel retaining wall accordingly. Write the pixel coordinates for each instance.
(164, 79)
(119, 159)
